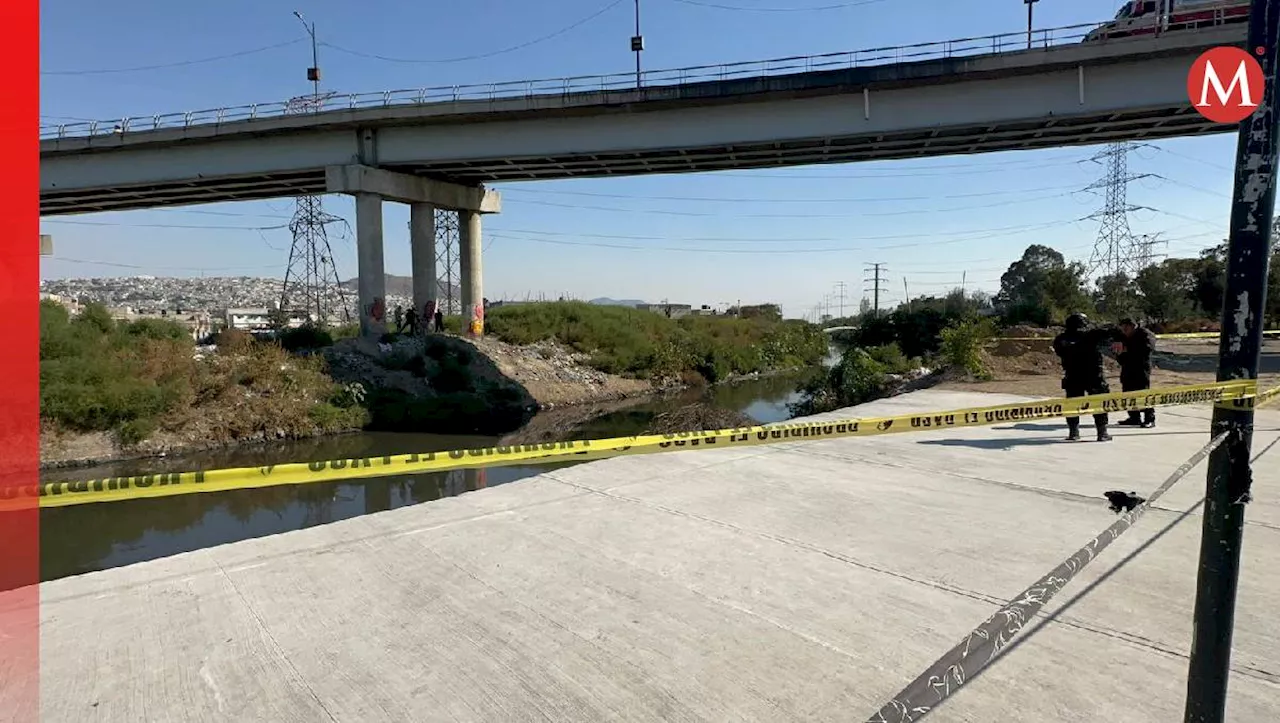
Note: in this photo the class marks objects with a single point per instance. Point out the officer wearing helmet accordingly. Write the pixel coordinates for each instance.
(1080, 350)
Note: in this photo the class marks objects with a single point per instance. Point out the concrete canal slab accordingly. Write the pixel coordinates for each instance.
(804, 581)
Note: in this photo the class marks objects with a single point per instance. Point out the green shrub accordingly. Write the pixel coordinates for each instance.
(962, 345)
(631, 342)
(159, 329)
(891, 359)
(132, 379)
(856, 379)
(305, 338)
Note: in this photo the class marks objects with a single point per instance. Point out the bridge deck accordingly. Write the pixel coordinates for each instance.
(805, 581)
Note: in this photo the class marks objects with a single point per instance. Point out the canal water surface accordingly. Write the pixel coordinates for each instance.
(85, 538)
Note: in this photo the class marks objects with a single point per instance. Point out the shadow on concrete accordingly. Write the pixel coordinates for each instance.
(996, 443)
(1028, 634)
(1030, 427)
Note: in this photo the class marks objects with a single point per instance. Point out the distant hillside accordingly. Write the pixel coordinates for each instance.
(606, 301)
(401, 286)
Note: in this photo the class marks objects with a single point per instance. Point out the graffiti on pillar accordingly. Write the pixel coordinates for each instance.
(429, 315)
(477, 320)
(377, 310)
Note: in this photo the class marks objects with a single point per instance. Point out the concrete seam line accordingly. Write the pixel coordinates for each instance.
(1236, 393)
(983, 644)
(948, 674)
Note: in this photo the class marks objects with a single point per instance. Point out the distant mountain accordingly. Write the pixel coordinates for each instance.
(606, 301)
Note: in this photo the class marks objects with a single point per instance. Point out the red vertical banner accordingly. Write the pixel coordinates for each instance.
(19, 366)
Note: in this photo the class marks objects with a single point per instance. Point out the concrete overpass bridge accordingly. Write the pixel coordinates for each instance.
(434, 148)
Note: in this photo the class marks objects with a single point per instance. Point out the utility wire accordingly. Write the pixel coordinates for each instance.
(863, 214)
(480, 56)
(176, 64)
(749, 9)
(166, 225)
(724, 199)
(161, 268)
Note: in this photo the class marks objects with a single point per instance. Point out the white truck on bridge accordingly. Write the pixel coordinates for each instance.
(1144, 17)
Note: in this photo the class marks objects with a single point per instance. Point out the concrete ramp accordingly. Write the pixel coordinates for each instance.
(795, 582)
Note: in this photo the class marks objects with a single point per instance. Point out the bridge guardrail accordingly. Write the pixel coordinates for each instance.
(1044, 39)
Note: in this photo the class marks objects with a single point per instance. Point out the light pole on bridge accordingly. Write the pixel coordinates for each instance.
(313, 73)
(1030, 18)
(637, 44)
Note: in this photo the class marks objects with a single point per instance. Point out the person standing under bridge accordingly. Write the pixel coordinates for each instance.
(1079, 348)
(1133, 352)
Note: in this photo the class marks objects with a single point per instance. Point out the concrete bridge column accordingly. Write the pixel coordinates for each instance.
(422, 252)
(469, 268)
(371, 186)
(371, 270)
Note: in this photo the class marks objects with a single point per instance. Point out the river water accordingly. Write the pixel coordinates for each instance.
(85, 538)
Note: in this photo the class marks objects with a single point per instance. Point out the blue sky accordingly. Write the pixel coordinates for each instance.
(932, 222)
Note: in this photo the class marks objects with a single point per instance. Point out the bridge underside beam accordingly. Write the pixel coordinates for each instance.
(370, 187)
(406, 188)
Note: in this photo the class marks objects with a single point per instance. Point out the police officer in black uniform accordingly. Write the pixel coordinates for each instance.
(1133, 351)
(1080, 349)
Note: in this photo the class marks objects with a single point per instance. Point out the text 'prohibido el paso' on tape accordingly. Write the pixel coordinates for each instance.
(1238, 394)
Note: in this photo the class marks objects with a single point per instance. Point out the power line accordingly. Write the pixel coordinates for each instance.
(480, 56)
(742, 199)
(863, 214)
(956, 236)
(166, 225)
(175, 64)
(749, 9)
(161, 268)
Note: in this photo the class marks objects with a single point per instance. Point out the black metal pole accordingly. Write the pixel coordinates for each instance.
(1229, 475)
(636, 48)
(1030, 14)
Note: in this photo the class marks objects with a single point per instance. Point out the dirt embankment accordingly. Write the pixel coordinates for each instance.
(556, 376)
(1030, 368)
(441, 384)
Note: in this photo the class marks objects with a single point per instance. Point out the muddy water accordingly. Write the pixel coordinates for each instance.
(85, 538)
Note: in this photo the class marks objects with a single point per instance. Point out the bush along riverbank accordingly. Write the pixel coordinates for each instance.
(864, 374)
(110, 389)
(646, 345)
(116, 390)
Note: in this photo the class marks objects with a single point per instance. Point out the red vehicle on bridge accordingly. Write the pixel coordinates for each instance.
(1144, 17)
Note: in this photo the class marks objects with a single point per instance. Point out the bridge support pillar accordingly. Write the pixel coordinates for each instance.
(470, 269)
(371, 186)
(371, 269)
(422, 254)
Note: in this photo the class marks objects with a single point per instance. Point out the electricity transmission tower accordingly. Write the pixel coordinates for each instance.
(1116, 250)
(840, 285)
(877, 281)
(311, 285)
(448, 276)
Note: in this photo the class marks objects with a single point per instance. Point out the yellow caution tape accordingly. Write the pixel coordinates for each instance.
(1237, 394)
(1186, 335)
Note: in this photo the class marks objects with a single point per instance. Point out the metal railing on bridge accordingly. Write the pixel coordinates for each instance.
(1044, 39)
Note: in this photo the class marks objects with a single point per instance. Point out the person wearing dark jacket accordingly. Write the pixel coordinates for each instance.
(1080, 350)
(1133, 351)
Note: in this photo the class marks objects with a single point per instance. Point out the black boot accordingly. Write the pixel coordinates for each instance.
(1103, 436)
(1133, 420)
(1073, 429)
(1149, 419)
